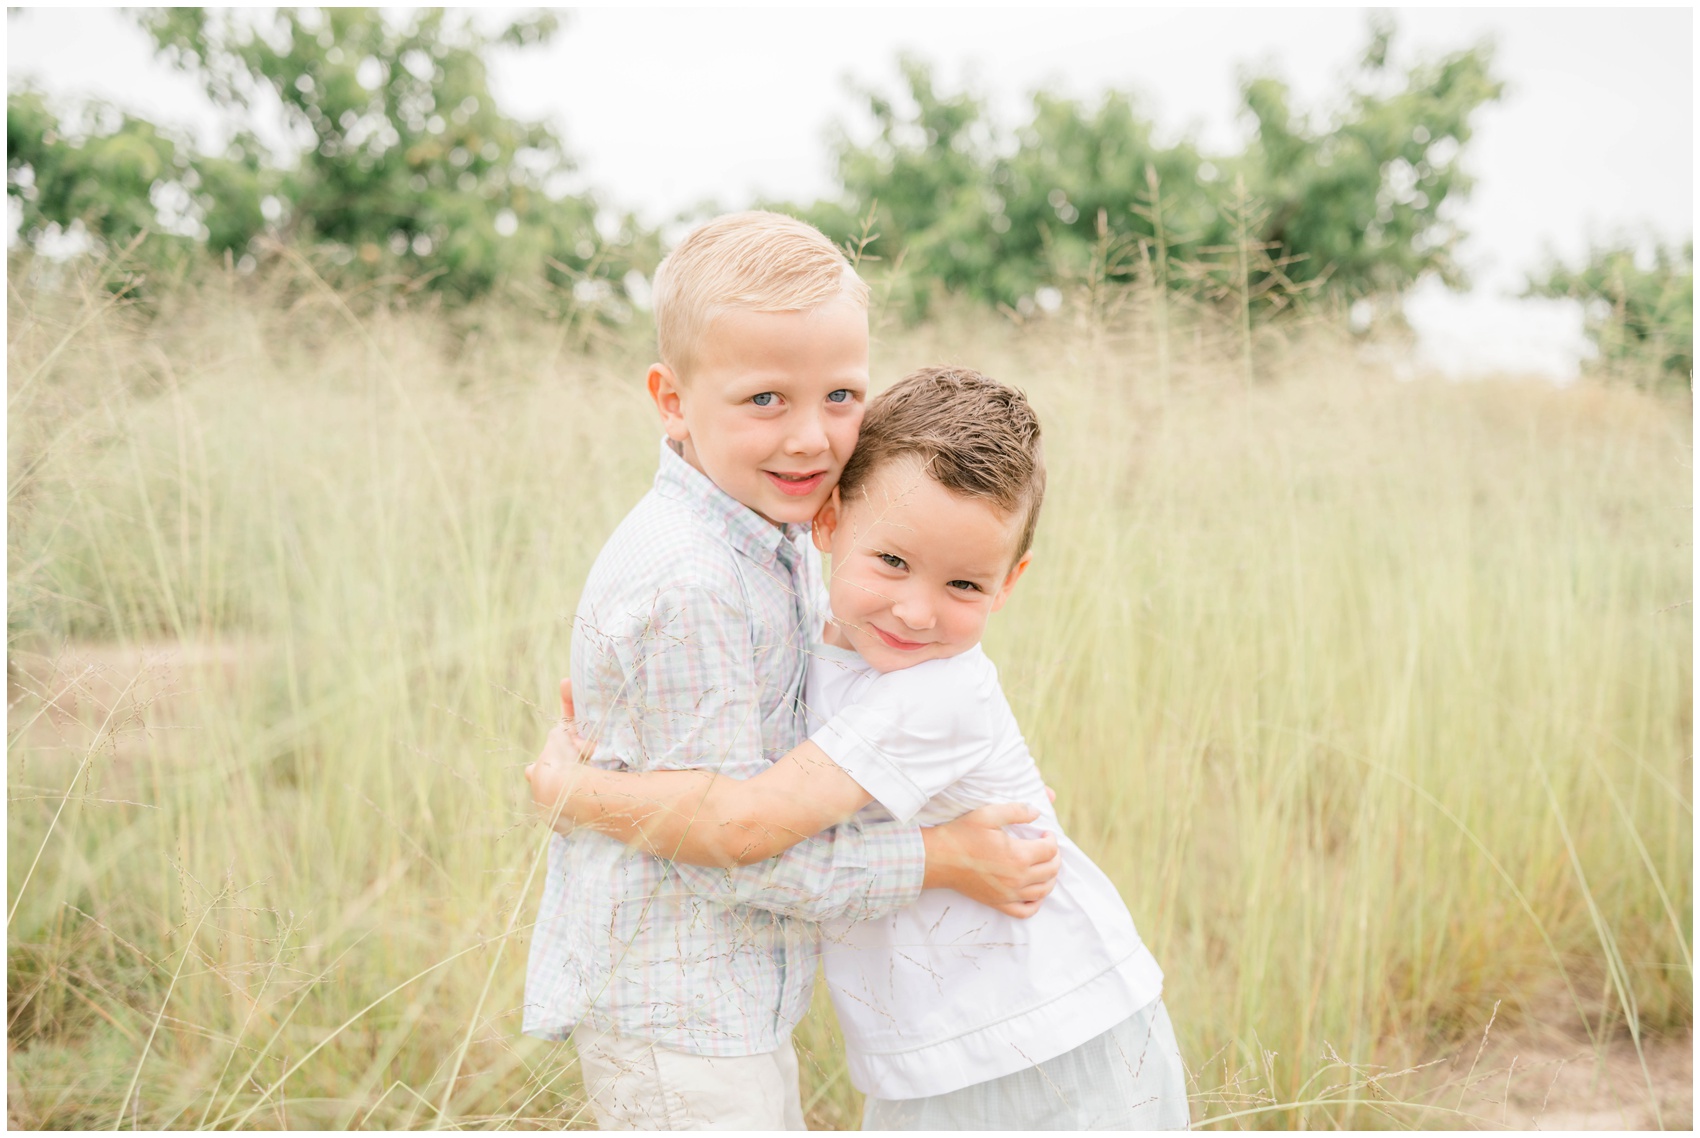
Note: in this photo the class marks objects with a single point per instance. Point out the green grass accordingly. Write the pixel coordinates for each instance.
(1373, 697)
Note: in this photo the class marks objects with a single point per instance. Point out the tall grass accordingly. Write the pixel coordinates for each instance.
(1373, 697)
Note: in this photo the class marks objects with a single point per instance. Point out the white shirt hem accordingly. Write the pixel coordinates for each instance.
(1020, 1041)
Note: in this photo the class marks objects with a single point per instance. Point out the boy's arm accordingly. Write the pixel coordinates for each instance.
(678, 689)
(681, 684)
(697, 817)
(860, 871)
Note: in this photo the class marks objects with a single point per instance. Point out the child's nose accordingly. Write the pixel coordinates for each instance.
(808, 435)
(915, 612)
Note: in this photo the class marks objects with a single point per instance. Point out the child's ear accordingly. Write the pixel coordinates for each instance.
(825, 523)
(664, 388)
(1009, 581)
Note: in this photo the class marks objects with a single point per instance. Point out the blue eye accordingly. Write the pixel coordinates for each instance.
(964, 586)
(765, 399)
(842, 395)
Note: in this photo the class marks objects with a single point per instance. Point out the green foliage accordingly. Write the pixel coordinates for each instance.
(107, 179)
(1362, 197)
(1640, 318)
(406, 169)
(1358, 201)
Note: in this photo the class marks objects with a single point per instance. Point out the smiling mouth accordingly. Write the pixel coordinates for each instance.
(896, 642)
(796, 485)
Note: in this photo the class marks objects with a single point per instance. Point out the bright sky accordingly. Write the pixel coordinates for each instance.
(667, 108)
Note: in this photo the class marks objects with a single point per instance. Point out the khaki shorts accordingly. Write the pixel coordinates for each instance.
(634, 1085)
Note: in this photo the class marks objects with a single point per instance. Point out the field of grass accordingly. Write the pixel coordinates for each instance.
(1374, 698)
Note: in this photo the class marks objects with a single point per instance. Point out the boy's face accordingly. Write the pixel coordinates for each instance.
(916, 569)
(772, 405)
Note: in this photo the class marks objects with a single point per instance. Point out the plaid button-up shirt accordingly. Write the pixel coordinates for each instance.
(689, 650)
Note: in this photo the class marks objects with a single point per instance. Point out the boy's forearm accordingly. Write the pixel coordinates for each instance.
(693, 816)
(702, 818)
(942, 870)
(851, 872)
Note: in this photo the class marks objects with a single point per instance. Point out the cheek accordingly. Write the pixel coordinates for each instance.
(967, 619)
(843, 431)
(761, 439)
(851, 595)
(739, 440)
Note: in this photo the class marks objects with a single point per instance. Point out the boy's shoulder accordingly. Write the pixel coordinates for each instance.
(663, 544)
(962, 687)
(687, 536)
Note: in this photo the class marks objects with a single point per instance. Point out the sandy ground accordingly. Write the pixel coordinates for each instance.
(1553, 1079)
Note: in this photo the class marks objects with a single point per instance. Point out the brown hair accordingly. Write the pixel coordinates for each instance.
(757, 261)
(974, 436)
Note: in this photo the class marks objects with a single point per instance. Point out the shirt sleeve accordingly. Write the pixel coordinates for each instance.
(912, 734)
(855, 871)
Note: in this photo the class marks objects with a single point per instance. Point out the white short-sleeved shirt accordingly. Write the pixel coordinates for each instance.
(947, 993)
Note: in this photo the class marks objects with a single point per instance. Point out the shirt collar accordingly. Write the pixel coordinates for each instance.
(749, 532)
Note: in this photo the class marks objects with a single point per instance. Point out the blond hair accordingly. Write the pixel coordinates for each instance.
(973, 435)
(757, 261)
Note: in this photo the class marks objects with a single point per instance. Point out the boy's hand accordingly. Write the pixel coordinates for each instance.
(582, 746)
(974, 856)
(553, 774)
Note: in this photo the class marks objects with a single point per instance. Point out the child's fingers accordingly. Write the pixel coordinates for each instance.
(1040, 851)
(567, 699)
(564, 745)
(1036, 890)
(558, 750)
(1005, 814)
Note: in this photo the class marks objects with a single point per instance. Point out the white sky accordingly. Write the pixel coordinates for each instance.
(667, 108)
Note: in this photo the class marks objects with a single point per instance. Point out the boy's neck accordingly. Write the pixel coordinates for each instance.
(684, 451)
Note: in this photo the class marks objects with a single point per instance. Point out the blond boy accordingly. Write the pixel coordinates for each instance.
(680, 985)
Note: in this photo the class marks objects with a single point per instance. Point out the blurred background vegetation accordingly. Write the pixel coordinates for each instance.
(407, 177)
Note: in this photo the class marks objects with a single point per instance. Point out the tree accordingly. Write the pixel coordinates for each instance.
(1364, 198)
(108, 179)
(1360, 201)
(1638, 307)
(407, 166)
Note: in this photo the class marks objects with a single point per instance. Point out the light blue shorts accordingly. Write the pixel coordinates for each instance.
(1129, 1078)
